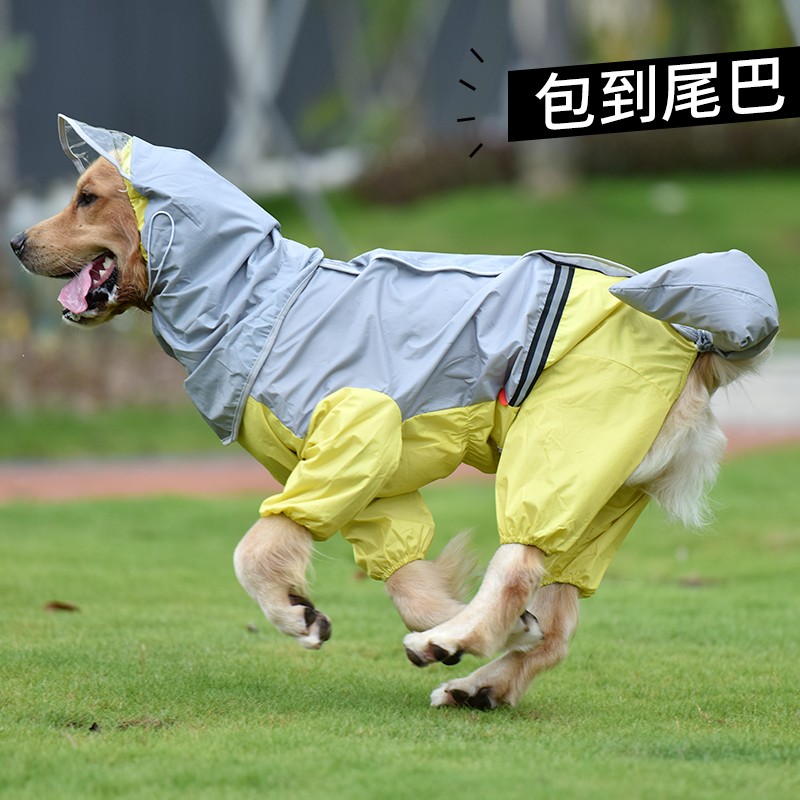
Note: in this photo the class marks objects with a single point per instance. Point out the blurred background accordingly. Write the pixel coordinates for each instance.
(340, 116)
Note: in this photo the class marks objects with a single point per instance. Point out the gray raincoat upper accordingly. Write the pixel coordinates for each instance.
(248, 312)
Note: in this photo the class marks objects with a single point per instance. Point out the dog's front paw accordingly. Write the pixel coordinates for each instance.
(317, 628)
(449, 641)
(421, 650)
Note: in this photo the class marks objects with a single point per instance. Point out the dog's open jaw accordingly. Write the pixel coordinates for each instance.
(88, 292)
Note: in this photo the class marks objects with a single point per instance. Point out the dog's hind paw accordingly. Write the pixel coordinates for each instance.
(317, 625)
(481, 699)
(502, 682)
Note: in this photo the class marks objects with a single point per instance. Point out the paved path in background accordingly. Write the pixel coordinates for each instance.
(763, 411)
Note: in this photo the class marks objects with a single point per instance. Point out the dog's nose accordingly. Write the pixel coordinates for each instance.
(18, 243)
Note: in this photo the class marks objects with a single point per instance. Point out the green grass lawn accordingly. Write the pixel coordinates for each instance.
(682, 682)
(127, 431)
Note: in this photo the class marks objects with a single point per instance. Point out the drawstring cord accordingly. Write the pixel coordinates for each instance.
(704, 342)
(160, 266)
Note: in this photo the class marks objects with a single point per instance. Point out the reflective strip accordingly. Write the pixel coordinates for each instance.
(545, 331)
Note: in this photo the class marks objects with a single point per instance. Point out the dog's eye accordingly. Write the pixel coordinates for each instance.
(86, 199)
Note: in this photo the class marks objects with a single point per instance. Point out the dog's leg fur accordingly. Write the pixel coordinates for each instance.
(427, 593)
(271, 563)
(495, 619)
(505, 680)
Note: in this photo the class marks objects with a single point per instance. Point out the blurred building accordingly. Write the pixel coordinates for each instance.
(248, 84)
(238, 79)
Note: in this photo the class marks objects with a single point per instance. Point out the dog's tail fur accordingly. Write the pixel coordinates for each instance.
(457, 565)
(683, 462)
(426, 593)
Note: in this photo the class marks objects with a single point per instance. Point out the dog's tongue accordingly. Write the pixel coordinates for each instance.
(73, 295)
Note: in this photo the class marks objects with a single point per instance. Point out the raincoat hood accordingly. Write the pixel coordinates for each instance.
(220, 272)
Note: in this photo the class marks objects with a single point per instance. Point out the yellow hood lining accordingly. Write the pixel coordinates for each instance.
(138, 201)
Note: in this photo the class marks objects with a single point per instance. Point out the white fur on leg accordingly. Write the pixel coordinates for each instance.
(270, 563)
(484, 626)
(505, 680)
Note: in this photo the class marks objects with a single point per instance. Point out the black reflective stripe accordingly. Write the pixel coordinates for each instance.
(545, 331)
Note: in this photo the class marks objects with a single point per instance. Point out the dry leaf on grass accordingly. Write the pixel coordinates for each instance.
(58, 605)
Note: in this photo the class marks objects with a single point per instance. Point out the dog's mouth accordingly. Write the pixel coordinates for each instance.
(88, 292)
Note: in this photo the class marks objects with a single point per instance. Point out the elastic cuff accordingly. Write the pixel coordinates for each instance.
(391, 567)
(315, 535)
(583, 590)
(510, 538)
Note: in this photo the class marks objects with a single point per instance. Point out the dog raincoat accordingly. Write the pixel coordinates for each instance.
(357, 383)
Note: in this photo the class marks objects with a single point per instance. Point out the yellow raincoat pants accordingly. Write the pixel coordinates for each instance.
(561, 458)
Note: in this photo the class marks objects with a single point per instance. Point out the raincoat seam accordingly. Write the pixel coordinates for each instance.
(264, 354)
(338, 266)
(629, 368)
(682, 285)
(415, 266)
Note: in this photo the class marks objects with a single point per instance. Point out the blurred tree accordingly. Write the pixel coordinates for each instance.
(260, 37)
(545, 34)
(15, 307)
(792, 10)
(725, 25)
(555, 32)
(381, 52)
(13, 59)
(622, 30)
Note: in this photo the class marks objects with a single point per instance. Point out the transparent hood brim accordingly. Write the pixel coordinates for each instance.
(84, 144)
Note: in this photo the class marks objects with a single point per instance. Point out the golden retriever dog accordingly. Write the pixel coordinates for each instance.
(98, 227)
(525, 625)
